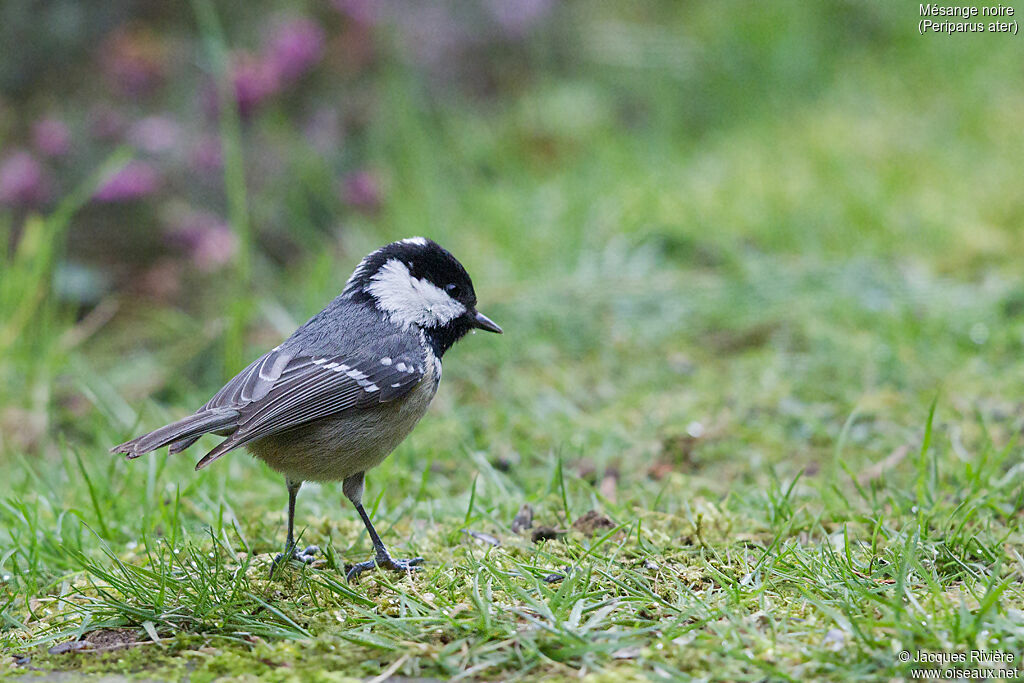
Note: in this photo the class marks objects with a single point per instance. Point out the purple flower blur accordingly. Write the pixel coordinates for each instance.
(516, 18)
(360, 11)
(209, 241)
(137, 179)
(361, 191)
(254, 81)
(155, 134)
(51, 137)
(215, 249)
(294, 48)
(206, 154)
(23, 181)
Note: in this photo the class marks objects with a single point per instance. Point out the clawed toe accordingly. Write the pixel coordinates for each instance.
(306, 556)
(358, 568)
(385, 563)
(405, 565)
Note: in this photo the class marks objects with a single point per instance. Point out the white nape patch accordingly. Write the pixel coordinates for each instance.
(357, 273)
(361, 269)
(409, 300)
(385, 361)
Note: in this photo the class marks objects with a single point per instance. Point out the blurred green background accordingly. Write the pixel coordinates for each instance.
(730, 244)
(529, 137)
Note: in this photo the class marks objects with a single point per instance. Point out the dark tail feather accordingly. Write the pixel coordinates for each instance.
(188, 430)
(179, 446)
(219, 450)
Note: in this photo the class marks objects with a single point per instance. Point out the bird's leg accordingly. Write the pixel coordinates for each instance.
(383, 557)
(308, 554)
(353, 487)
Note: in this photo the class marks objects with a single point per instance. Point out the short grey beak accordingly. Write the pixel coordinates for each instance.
(482, 322)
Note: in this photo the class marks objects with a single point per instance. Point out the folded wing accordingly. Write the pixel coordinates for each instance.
(280, 391)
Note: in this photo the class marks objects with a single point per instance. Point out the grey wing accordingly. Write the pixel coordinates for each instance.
(309, 388)
(251, 384)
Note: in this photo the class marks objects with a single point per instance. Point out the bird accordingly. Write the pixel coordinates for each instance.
(344, 390)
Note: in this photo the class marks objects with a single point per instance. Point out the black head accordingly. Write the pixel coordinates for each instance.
(417, 283)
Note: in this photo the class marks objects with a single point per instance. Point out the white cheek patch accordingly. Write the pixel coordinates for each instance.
(408, 300)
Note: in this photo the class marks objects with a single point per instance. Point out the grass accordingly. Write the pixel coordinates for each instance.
(780, 352)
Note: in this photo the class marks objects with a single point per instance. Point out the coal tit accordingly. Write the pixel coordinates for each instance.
(337, 396)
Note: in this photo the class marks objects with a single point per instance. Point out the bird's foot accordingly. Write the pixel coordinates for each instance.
(384, 561)
(306, 556)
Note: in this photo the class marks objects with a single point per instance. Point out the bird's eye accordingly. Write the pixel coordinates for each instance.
(452, 289)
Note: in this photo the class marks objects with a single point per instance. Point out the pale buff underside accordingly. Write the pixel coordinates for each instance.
(334, 448)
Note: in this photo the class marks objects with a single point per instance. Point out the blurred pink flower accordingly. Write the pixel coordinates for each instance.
(253, 82)
(206, 154)
(216, 248)
(433, 34)
(516, 18)
(23, 181)
(132, 59)
(51, 137)
(254, 79)
(137, 179)
(361, 191)
(363, 12)
(294, 48)
(155, 134)
(209, 241)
